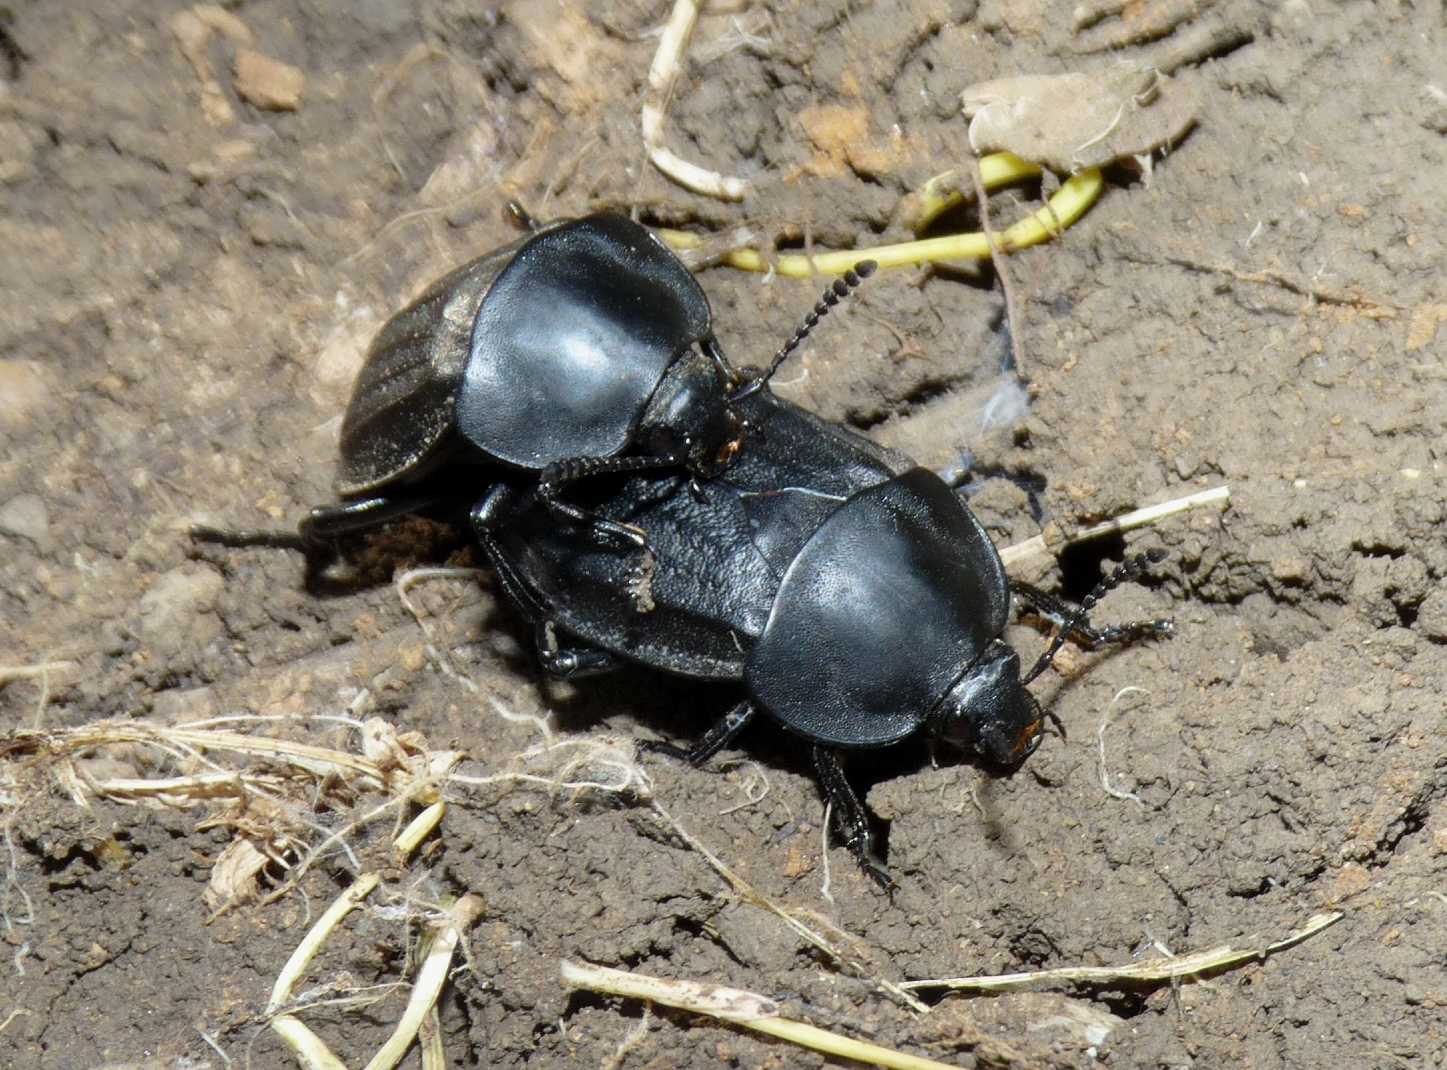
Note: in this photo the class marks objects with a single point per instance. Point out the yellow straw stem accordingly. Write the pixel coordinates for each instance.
(418, 830)
(1069, 203)
(310, 1050)
(431, 976)
(311, 943)
(748, 1009)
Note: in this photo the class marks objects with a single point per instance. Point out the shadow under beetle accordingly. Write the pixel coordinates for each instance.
(851, 593)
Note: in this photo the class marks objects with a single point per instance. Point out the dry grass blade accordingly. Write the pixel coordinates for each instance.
(1054, 541)
(747, 1009)
(662, 76)
(30, 672)
(310, 1050)
(305, 951)
(430, 978)
(270, 805)
(750, 894)
(319, 761)
(417, 830)
(1178, 968)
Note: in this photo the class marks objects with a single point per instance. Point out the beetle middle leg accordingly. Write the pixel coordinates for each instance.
(713, 741)
(1061, 613)
(849, 815)
(560, 662)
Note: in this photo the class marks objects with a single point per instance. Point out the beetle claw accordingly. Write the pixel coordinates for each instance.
(876, 872)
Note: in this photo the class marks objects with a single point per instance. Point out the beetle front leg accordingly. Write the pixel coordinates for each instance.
(713, 741)
(559, 474)
(850, 816)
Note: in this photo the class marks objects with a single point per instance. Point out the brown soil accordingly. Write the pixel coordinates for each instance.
(189, 283)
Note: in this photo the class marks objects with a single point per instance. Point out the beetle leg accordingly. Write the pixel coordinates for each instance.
(487, 516)
(243, 538)
(1060, 613)
(322, 525)
(571, 663)
(564, 663)
(521, 217)
(327, 522)
(849, 815)
(713, 741)
(556, 476)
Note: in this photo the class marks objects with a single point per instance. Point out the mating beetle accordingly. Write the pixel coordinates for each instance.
(583, 349)
(554, 355)
(851, 593)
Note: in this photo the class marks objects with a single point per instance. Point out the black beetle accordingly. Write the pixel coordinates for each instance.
(853, 595)
(583, 349)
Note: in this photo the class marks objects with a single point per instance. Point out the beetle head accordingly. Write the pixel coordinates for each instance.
(692, 416)
(989, 711)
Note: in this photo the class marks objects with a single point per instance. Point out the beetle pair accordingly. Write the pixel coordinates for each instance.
(851, 594)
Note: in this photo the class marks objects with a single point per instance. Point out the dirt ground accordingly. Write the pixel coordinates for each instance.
(198, 245)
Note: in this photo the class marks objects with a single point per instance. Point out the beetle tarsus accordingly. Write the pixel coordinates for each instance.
(521, 217)
(243, 538)
(1077, 621)
(850, 818)
(713, 741)
(571, 663)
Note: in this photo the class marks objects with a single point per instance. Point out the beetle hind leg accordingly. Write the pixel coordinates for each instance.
(322, 525)
(1061, 613)
(850, 817)
(558, 661)
(713, 741)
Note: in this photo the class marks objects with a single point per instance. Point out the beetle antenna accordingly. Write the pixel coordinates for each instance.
(1128, 569)
(839, 289)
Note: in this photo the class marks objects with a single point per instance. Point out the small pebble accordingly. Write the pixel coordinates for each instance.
(27, 516)
(267, 83)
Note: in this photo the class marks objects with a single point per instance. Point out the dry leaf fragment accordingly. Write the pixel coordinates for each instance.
(1068, 122)
(234, 877)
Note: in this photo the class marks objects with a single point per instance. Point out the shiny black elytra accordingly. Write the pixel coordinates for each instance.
(552, 355)
(852, 596)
